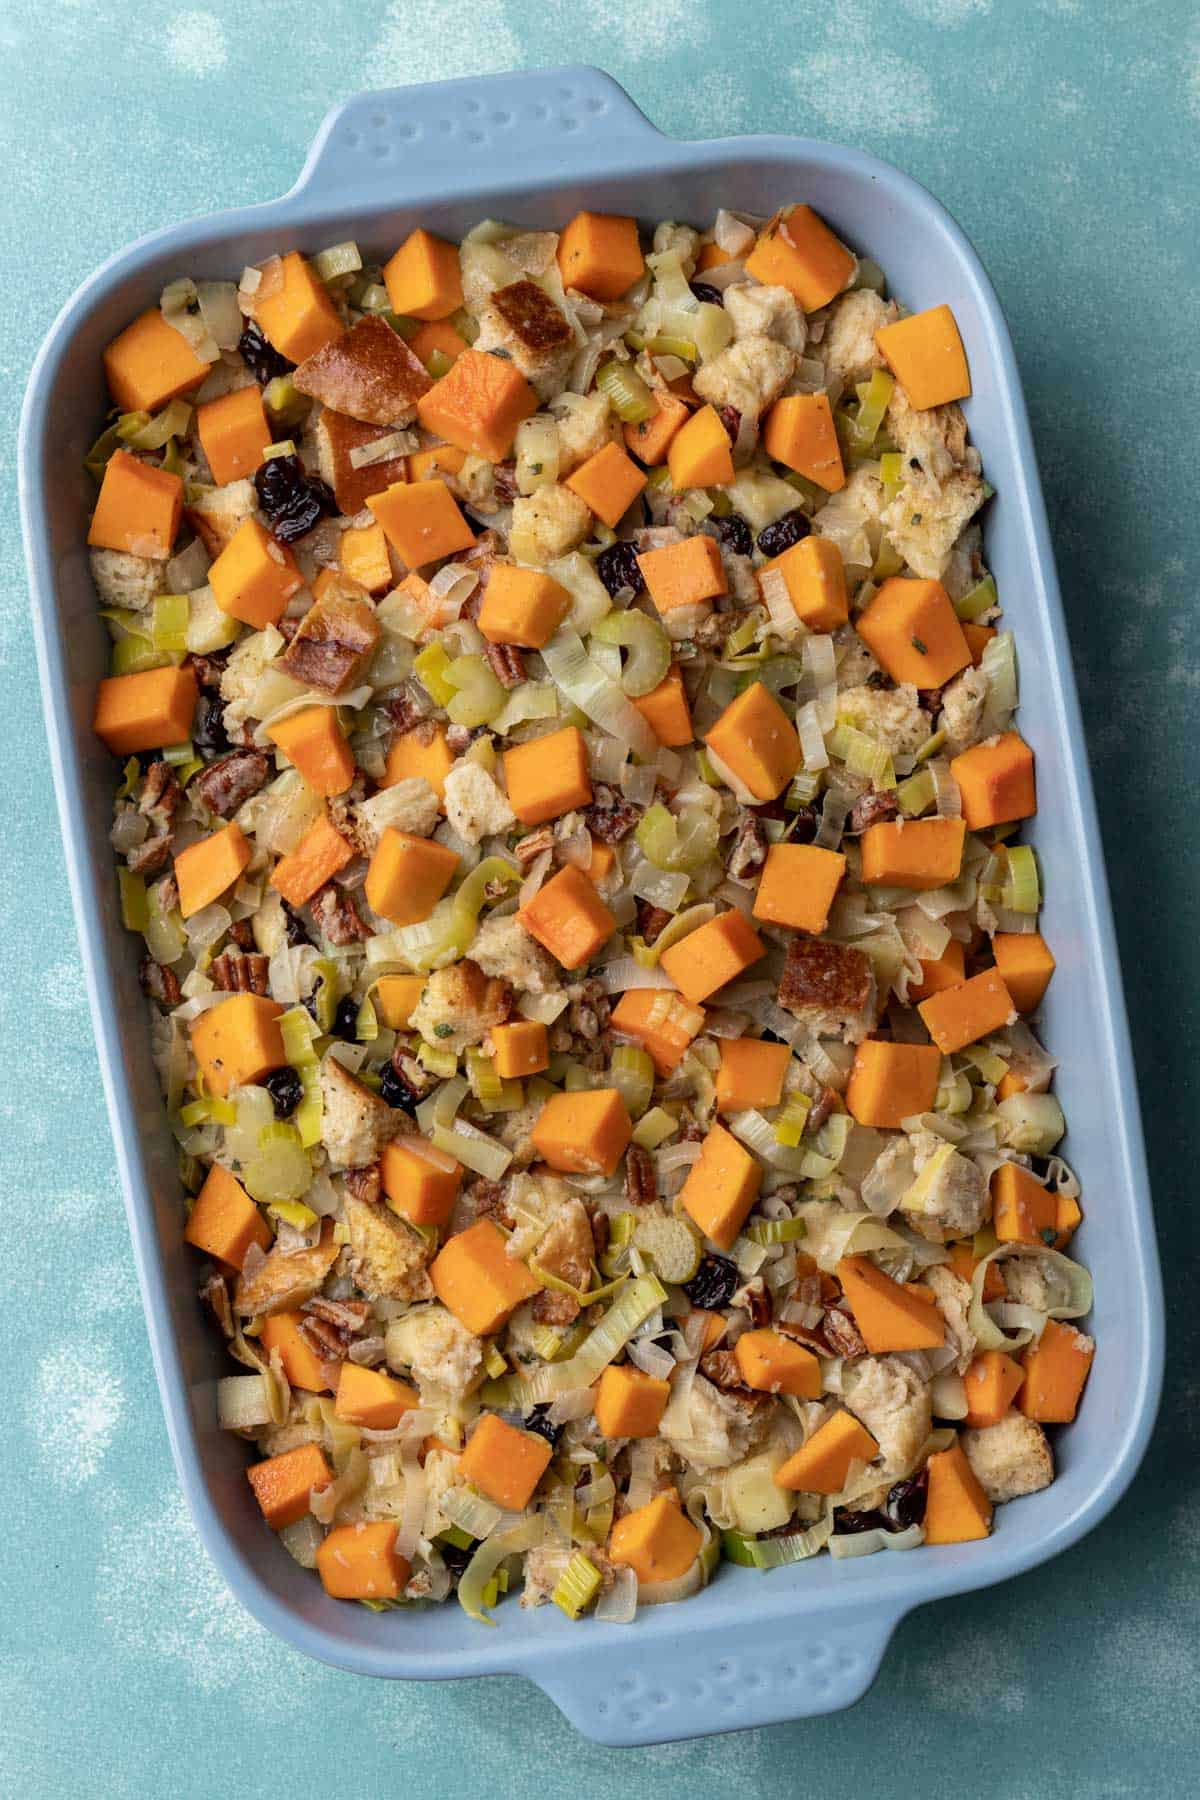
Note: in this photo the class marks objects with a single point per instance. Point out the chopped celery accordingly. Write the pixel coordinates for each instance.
(475, 695)
(648, 645)
(131, 774)
(366, 1023)
(135, 904)
(891, 470)
(97, 458)
(279, 1170)
(439, 364)
(654, 1129)
(494, 1363)
(578, 1586)
(442, 1063)
(620, 1230)
(665, 345)
(887, 562)
(481, 1073)
(293, 1213)
(658, 480)
(456, 1537)
(790, 1124)
(916, 794)
(142, 432)
(1022, 890)
(929, 748)
(284, 447)
(430, 669)
(873, 397)
(169, 624)
(978, 600)
(806, 785)
(861, 754)
(626, 392)
(739, 1548)
(776, 1231)
(325, 994)
(133, 655)
(993, 1068)
(337, 260)
(680, 844)
(546, 1342)
(298, 1028)
(284, 401)
(705, 769)
(631, 1072)
(375, 298)
(744, 636)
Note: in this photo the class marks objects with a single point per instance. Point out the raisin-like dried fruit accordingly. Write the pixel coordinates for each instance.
(846, 1521)
(286, 1090)
(538, 1419)
(906, 1501)
(774, 539)
(714, 1283)
(735, 534)
(709, 295)
(345, 1019)
(617, 568)
(396, 1092)
(208, 729)
(292, 500)
(731, 419)
(294, 926)
(454, 1556)
(260, 356)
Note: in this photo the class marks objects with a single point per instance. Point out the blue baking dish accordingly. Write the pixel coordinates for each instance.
(534, 147)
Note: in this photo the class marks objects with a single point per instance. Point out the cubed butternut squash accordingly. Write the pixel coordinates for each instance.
(946, 971)
(751, 1074)
(962, 1015)
(658, 1020)
(996, 781)
(437, 335)
(138, 509)
(147, 711)
(424, 278)
(284, 1484)
(407, 876)
(238, 1041)
(207, 868)
(822, 1464)
(301, 1364)
(798, 885)
(608, 483)
(957, 1510)
(233, 433)
(149, 363)
(1025, 1212)
(889, 1316)
(756, 741)
(421, 1182)
(665, 710)
(224, 1220)
(478, 405)
(1056, 1367)
(797, 250)
(712, 955)
(711, 256)
(520, 1049)
(297, 314)
(721, 1187)
(925, 353)
(568, 918)
(650, 439)
(991, 1385)
(978, 638)
(683, 574)
(892, 1082)
(395, 997)
(421, 751)
(964, 1262)
(604, 861)
(630, 1403)
(911, 629)
(699, 453)
(1026, 963)
(438, 459)
(363, 557)
(360, 1561)
(254, 577)
(321, 852)
(422, 521)
(799, 432)
(815, 578)
(599, 254)
(371, 1398)
(773, 1364)
(548, 776)
(522, 606)
(584, 1131)
(913, 853)
(475, 1277)
(504, 1462)
(313, 741)
(657, 1541)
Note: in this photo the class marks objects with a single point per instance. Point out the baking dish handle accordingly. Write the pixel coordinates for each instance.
(692, 1686)
(468, 132)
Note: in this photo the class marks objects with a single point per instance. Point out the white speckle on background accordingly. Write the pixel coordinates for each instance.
(1139, 1668)
(946, 12)
(73, 1410)
(894, 95)
(423, 40)
(62, 987)
(196, 43)
(1067, 99)
(997, 1669)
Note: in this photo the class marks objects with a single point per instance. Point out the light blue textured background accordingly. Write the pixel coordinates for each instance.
(1062, 134)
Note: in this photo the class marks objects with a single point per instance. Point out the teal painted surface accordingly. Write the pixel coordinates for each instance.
(1062, 134)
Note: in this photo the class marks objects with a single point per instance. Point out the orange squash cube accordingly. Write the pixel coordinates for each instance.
(584, 1131)
(650, 439)
(208, 867)
(1056, 1367)
(372, 1399)
(996, 781)
(797, 250)
(798, 885)
(478, 405)
(978, 638)
(964, 1262)
(630, 1403)
(925, 353)
(301, 1364)
(711, 257)
(395, 997)
(548, 776)
(254, 577)
(721, 1187)
(889, 1316)
(475, 1277)
(361, 1562)
(149, 363)
(799, 432)
(504, 1462)
(138, 510)
(822, 1464)
(437, 335)
(233, 433)
(658, 1020)
(299, 318)
(892, 1082)
(665, 710)
(283, 1485)
(145, 712)
(773, 1364)
(1026, 963)
(313, 742)
(751, 1074)
(363, 556)
(957, 1510)
(224, 1220)
(657, 1541)
(599, 255)
(238, 1041)
(420, 1181)
(911, 629)
(414, 753)
(949, 970)
(991, 1384)
(520, 1049)
(321, 852)
(683, 574)
(424, 278)
(962, 1015)
(700, 454)
(757, 742)
(422, 521)
(1023, 1211)
(522, 606)
(604, 861)
(815, 578)
(439, 459)
(608, 482)
(407, 876)
(913, 853)
(712, 955)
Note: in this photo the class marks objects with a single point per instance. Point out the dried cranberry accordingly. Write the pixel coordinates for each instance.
(731, 419)
(735, 534)
(208, 729)
(286, 1090)
(296, 933)
(260, 356)
(906, 1501)
(803, 827)
(846, 1522)
(292, 500)
(774, 539)
(708, 294)
(345, 1019)
(537, 1419)
(454, 1556)
(618, 568)
(877, 679)
(714, 1283)
(396, 1092)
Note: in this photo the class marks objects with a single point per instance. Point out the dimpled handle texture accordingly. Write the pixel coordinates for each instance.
(469, 131)
(695, 1684)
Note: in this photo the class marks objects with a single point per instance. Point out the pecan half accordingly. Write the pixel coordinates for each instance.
(842, 1334)
(721, 1368)
(487, 1197)
(754, 1299)
(148, 857)
(749, 850)
(610, 817)
(641, 1188)
(207, 669)
(215, 1295)
(240, 972)
(506, 663)
(531, 847)
(550, 1308)
(652, 921)
(336, 916)
(159, 982)
(230, 781)
(365, 1183)
(159, 797)
(872, 809)
(403, 711)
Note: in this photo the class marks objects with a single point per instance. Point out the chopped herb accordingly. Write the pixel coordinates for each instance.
(535, 468)
(922, 649)
(916, 519)
(1049, 1236)
(443, 1031)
